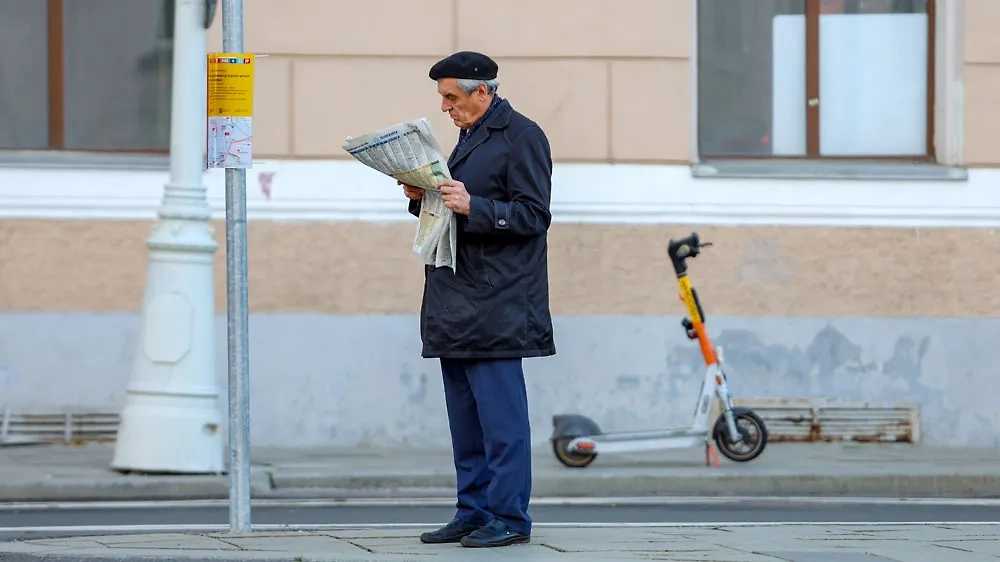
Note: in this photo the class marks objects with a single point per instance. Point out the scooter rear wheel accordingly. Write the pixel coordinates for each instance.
(572, 459)
(754, 434)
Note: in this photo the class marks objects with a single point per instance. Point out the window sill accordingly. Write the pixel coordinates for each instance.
(53, 159)
(827, 169)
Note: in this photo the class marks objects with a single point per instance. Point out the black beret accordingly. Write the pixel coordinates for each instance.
(464, 65)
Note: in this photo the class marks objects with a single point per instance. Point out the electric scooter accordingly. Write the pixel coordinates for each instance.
(738, 432)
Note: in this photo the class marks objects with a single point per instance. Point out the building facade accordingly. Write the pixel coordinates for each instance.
(840, 154)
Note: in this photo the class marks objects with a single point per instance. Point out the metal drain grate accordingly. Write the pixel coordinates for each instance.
(65, 428)
(836, 419)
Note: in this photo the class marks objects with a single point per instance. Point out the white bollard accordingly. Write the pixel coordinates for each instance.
(171, 421)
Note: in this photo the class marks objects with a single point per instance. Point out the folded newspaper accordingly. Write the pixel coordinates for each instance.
(410, 153)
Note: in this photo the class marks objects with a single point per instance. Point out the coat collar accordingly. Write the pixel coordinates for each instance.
(498, 119)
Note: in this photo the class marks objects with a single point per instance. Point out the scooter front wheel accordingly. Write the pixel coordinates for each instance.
(753, 438)
(572, 459)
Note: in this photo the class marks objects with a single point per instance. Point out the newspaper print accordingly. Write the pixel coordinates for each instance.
(409, 152)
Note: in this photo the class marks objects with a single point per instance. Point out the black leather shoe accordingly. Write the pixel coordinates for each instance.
(494, 533)
(452, 532)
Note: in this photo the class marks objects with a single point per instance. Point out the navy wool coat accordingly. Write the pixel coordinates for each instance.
(496, 303)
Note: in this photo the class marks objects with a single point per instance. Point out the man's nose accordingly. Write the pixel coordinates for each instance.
(445, 106)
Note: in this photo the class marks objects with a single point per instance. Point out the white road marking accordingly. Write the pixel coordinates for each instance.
(96, 529)
(551, 502)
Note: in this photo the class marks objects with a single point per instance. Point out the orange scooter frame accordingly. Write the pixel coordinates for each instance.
(739, 433)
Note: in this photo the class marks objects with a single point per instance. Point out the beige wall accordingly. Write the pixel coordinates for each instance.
(329, 76)
(601, 81)
(336, 68)
(981, 82)
(100, 266)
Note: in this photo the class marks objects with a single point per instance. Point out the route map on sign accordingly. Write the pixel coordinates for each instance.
(230, 142)
(230, 110)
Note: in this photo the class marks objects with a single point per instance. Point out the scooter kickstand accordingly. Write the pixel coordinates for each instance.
(710, 452)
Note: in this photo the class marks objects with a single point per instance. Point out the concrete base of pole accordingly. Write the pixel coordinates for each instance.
(186, 429)
(171, 421)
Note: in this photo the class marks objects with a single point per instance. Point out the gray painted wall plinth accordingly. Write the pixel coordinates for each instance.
(359, 380)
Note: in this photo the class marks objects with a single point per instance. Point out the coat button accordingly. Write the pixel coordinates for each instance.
(502, 222)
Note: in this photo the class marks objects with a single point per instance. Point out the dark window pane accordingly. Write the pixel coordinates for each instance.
(735, 79)
(873, 6)
(118, 74)
(24, 80)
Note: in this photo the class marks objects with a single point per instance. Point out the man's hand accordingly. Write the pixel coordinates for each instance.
(455, 196)
(412, 193)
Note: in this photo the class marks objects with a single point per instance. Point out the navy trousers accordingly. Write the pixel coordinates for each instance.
(491, 439)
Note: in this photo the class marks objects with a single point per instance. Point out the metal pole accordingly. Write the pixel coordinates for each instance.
(236, 310)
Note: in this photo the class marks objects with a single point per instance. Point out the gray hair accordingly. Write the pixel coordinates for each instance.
(469, 85)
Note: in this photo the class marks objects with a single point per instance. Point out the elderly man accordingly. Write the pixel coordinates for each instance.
(484, 318)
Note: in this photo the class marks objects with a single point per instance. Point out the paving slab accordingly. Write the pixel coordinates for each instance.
(743, 543)
(53, 473)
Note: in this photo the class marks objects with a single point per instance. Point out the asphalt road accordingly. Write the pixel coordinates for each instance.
(28, 521)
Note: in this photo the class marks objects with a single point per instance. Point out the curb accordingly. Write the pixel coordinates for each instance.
(603, 543)
(264, 484)
(976, 486)
(957, 486)
(149, 556)
(132, 487)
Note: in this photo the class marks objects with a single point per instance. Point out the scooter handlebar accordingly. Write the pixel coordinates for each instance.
(687, 247)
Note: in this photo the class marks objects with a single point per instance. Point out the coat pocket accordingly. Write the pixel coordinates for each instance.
(485, 266)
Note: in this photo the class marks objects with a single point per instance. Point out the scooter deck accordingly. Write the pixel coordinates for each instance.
(663, 433)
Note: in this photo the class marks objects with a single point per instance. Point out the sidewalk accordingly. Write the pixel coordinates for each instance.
(51, 473)
(751, 543)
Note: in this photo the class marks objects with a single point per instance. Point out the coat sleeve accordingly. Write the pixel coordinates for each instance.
(414, 207)
(529, 182)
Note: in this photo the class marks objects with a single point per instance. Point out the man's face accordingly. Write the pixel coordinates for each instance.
(464, 109)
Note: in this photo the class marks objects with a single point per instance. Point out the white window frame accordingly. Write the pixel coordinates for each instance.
(949, 46)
